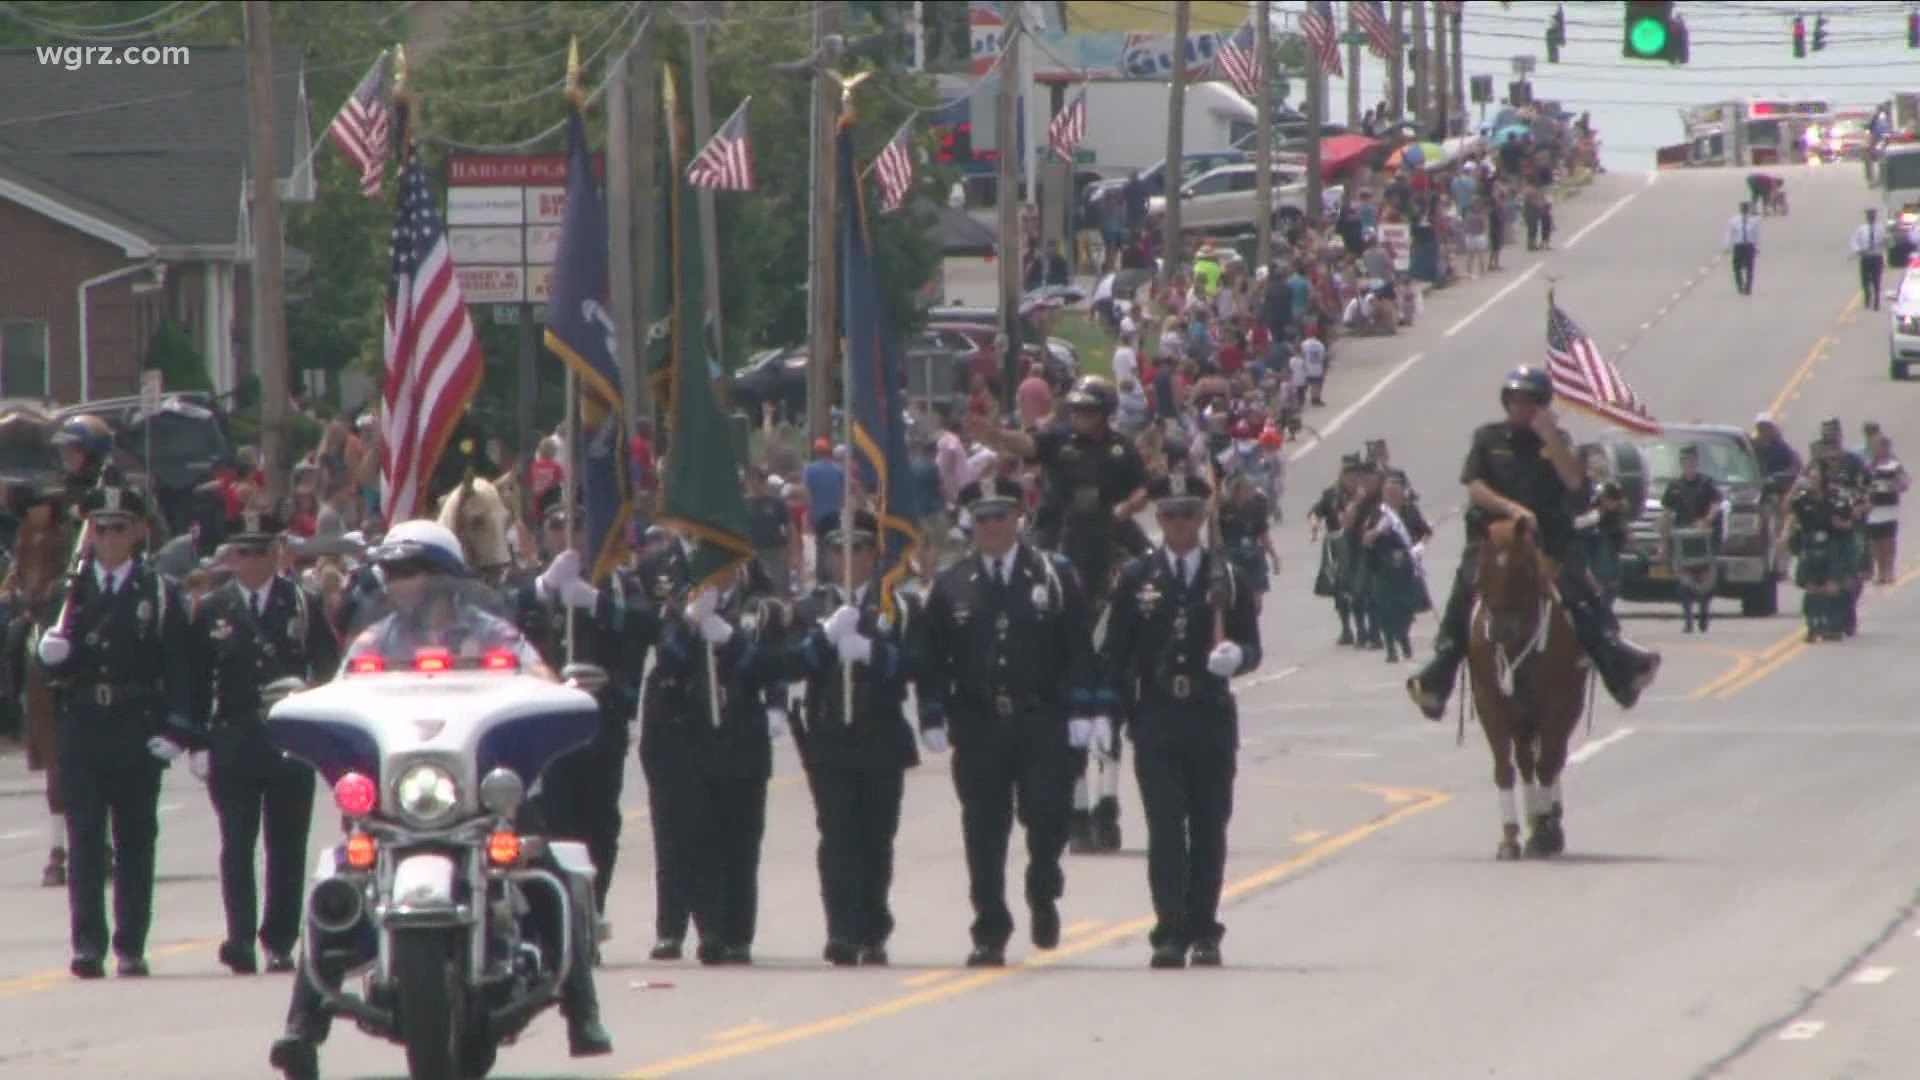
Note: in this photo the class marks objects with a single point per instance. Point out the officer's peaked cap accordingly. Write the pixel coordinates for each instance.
(255, 527)
(1179, 490)
(109, 502)
(991, 493)
(866, 528)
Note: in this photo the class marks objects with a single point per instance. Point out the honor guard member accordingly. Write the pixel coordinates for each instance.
(718, 716)
(1524, 467)
(1602, 522)
(613, 628)
(124, 693)
(1183, 623)
(1011, 673)
(856, 760)
(247, 636)
(1692, 501)
(1095, 484)
(666, 757)
(1848, 478)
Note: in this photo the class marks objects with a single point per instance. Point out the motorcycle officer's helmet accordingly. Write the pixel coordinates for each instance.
(421, 541)
(1530, 381)
(86, 433)
(1093, 392)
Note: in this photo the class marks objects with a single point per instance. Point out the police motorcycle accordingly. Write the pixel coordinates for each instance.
(461, 925)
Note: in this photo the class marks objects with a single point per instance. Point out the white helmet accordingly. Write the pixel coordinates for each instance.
(422, 540)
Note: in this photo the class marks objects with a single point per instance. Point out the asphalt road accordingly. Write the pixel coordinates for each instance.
(1737, 897)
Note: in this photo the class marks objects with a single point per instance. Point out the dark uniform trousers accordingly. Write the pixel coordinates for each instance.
(857, 811)
(1016, 769)
(249, 788)
(1186, 789)
(666, 762)
(121, 686)
(581, 790)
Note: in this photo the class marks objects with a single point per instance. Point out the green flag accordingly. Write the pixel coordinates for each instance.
(702, 496)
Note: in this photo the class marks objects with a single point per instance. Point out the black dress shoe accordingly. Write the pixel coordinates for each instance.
(278, 963)
(296, 1058)
(841, 953)
(1206, 954)
(739, 954)
(133, 967)
(88, 967)
(711, 955)
(667, 948)
(1168, 956)
(987, 956)
(874, 956)
(238, 958)
(586, 1037)
(1046, 926)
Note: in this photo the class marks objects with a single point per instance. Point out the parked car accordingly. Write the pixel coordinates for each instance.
(1226, 200)
(190, 444)
(780, 375)
(1752, 560)
(1154, 177)
(27, 457)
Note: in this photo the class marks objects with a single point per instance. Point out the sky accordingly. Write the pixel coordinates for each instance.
(1739, 50)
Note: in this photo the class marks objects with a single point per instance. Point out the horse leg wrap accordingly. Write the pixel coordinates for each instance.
(1536, 800)
(1109, 779)
(1083, 791)
(1509, 809)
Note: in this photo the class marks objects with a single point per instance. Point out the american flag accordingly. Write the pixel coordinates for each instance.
(433, 357)
(1366, 14)
(360, 128)
(1068, 128)
(726, 162)
(1240, 62)
(1316, 24)
(894, 167)
(1586, 380)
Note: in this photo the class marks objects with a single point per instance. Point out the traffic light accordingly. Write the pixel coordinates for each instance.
(1679, 53)
(1553, 48)
(1649, 30)
(1799, 38)
(1819, 32)
(1913, 29)
(1556, 34)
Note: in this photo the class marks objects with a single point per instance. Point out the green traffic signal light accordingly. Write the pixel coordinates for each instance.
(1648, 38)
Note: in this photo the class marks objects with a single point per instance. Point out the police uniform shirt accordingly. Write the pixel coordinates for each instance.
(1691, 499)
(878, 736)
(1867, 240)
(748, 668)
(1160, 632)
(125, 650)
(614, 634)
(244, 638)
(1743, 229)
(1088, 474)
(1514, 463)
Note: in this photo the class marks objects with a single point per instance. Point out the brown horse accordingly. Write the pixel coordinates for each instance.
(1529, 678)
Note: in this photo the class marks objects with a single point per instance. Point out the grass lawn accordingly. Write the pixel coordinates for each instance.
(1091, 342)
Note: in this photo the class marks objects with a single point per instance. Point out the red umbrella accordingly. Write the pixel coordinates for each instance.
(1339, 151)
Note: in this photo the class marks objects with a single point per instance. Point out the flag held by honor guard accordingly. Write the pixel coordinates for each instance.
(581, 332)
(876, 388)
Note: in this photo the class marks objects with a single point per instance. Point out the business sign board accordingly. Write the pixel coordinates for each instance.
(503, 223)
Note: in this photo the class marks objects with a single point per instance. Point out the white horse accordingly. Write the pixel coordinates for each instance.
(477, 514)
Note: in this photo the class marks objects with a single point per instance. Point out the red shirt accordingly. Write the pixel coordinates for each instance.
(641, 453)
(545, 473)
(1230, 357)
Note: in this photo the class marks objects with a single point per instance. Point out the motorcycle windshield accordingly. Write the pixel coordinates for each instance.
(435, 626)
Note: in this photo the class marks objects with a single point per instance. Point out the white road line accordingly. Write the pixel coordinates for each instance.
(1651, 177)
(1873, 976)
(1327, 430)
(1618, 205)
(1505, 291)
(1801, 1030)
(1588, 751)
(17, 834)
(1262, 680)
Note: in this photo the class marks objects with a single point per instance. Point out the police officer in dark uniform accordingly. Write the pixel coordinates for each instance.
(1692, 501)
(719, 793)
(85, 448)
(124, 697)
(1183, 623)
(1011, 672)
(613, 627)
(1850, 480)
(1524, 466)
(255, 630)
(856, 761)
(666, 759)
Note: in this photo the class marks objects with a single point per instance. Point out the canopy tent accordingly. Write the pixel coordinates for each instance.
(1338, 152)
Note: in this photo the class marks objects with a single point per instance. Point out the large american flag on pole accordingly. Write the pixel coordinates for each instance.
(360, 128)
(433, 357)
(726, 162)
(1068, 128)
(1241, 63)
(1323, 39)
(1583, 378)
(894, 168)
(1368, 16)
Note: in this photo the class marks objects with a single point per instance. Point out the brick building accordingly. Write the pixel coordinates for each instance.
(123, 203)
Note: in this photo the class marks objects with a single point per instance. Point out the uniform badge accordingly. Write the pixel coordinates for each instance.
(145, 611)
(962, 616)
(1117, 451)
(1002, 623)
(222, 630)
(1040, 597)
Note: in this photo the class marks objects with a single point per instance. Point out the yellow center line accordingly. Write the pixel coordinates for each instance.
(1797, 645)
(1084, 926)
(1421, 802)
(741, 1032)
(21, 985)
(1814, 355)
(1308, 836)
(927, 978)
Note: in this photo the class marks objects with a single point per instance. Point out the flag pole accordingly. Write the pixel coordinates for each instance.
(846, 413)
(571, 394)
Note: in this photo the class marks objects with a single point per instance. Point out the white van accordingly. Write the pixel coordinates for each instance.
(1903, 346)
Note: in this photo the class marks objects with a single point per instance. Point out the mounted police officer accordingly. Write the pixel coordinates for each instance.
(1095, 484)
(856, 760)
(1692, 502)
(247, 636)
(85, 447)
(1183, 624)
(1524, 467)
(124, 697)
(1012, 674)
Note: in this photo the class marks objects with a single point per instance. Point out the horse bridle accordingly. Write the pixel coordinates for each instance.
(1504, 668)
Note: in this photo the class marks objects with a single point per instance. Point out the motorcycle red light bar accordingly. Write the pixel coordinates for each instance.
(355, 795)
(367, 665)
(432, 660)
(500, 660)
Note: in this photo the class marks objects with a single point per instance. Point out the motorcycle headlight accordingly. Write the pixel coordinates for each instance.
(426, 793)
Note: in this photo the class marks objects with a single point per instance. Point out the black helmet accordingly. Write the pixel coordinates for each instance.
(1093, 392)
(86, 433)
(1530, 381)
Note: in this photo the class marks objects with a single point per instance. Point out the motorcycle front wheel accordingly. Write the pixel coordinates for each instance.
(431, 1001)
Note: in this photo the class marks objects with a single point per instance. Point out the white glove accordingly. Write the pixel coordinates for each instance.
(55, 648)
(1587, 520)
(935, 740)
(703, 606)
(776, 723)
(856, 647)
(200, 763)
(844, 620)
(716, 630)
(1225, 659)
(1102, 741)
(565, 568)
(164, 748)
(1079, 732)
(579, 594)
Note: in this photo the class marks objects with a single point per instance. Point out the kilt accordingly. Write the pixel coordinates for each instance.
(1331, 580)
(1250, 561)
(1823, 560)
(1398, 593)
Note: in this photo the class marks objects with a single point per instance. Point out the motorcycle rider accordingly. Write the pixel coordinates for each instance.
(421, 564)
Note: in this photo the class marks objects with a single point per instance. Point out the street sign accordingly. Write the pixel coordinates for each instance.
(1084, 156)
(1523, 65)
(509, 314)
(503, 223)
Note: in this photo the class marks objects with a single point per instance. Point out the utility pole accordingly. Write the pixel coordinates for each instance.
(1459, 67)
(1353, 70)
(1417, 44)
(622, 266)
(822, 343)
(1316, 118)
(1397, 64)
(269, 286)
(1171, 248)
(1437, 84)
(643, 113)
(1007, 191)
(702, 131)
(1263, 136)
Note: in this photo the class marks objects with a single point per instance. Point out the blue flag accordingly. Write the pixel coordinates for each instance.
(580, 331)
(876, 384)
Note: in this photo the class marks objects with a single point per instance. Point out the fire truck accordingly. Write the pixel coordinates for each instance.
(1746, 133)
